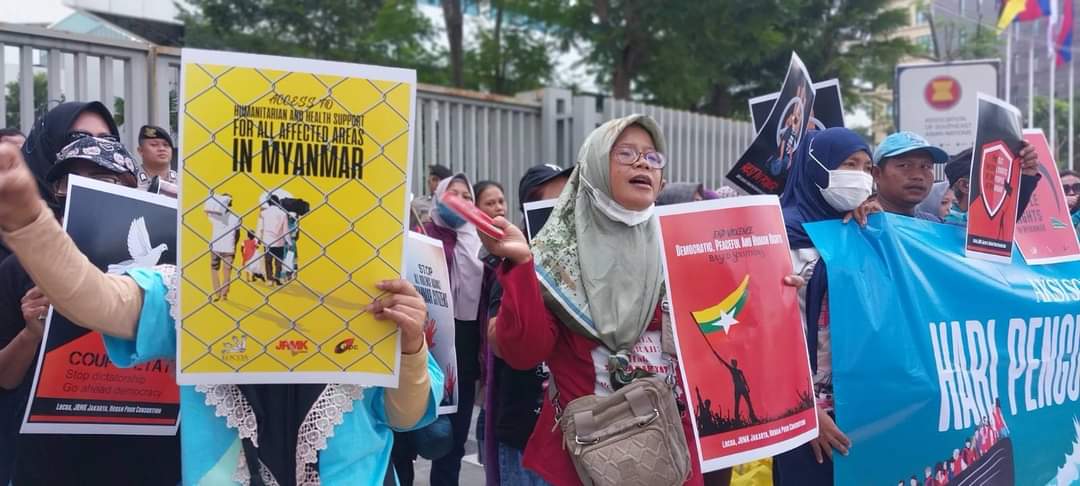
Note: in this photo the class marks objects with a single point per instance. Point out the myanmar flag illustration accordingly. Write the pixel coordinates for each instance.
(722, 316)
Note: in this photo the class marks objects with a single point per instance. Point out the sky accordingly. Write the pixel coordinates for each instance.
(37, 11)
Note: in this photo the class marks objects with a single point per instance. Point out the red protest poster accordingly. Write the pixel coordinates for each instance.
(1045, 233)
(995, 181)
(742, 354)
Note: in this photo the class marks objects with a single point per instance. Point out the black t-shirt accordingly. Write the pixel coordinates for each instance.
(520, 394)
(46, 459)
(13, 285)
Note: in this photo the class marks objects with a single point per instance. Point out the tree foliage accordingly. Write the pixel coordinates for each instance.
(386, 32)
(1061, 128)
(688, 54)
(511, 55)
(713, 56)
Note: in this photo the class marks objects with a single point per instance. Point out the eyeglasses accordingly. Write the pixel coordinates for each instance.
(627, 155)
(61, 189)
(1072, 189)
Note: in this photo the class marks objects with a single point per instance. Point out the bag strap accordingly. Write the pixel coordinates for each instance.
(667, 332)
(667, 347)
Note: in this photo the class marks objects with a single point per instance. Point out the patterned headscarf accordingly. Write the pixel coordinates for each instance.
(598, 262)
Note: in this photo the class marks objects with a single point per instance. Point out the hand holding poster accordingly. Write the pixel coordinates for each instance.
(995, 180)
(313, 158)
(763, 168)
(949, 366)
(76, 388)
(425, 268)
(1045, 233)
(742, 355)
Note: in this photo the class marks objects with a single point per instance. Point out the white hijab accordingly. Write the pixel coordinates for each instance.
(467, 272)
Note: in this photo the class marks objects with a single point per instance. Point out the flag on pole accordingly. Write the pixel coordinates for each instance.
(1034, 9)
(1009, 10)
(1065, 34)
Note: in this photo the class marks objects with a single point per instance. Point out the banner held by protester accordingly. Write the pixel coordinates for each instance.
(313, 159)
(743, 359)
(763, 167)
(76, 388)
(994, 197)
(946, 366)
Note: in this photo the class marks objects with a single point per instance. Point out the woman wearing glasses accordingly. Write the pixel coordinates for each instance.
(586, 298)
(1070, 180)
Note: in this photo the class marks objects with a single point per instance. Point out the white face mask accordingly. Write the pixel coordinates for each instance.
(847, 189)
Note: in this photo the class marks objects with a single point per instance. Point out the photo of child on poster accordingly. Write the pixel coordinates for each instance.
(763, 167)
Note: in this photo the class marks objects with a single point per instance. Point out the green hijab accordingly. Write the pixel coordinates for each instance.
(598, 262)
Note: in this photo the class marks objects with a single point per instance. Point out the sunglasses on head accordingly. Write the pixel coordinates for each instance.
(1072, 189)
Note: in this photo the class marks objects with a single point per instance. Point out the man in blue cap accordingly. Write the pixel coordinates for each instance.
(904, 173)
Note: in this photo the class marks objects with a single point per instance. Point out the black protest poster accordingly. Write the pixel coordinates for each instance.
(763, 168)
(76, 388)
(536, 214)
(994, 194)
(828, 107)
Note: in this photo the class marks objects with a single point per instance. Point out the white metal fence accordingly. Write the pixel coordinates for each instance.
(485, 136)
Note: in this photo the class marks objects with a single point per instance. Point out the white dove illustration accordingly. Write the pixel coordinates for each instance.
(138, 243)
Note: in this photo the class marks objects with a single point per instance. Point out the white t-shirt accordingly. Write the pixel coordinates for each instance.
(274, 225)
(223, 233)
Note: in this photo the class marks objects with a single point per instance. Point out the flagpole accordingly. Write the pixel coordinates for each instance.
(1031, 77)
(1053, 111)
(1008, 63)
(1072, 134)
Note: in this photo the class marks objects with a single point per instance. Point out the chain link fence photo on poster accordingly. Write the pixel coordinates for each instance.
(295, 181)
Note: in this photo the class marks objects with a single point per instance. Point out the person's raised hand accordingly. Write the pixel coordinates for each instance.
(1029, 159)
(34, 307)
(863, 212)
(829, 437)
(19, 198)
(512, 246)
(403, 305)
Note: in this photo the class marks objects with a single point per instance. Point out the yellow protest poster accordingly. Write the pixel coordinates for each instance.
(293, 196)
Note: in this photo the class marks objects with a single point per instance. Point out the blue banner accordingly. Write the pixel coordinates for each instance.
(964, 370)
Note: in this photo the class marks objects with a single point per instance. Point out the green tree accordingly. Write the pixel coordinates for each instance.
(41, 85)
(959, 41)
(713, 56)
(118, 111)
(453, 17)
(1061, 128)
(510, 57)
(385, 32)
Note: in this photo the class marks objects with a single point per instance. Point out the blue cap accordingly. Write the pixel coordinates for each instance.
(901, 143)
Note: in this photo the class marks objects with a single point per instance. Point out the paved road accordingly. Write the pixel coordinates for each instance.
(472, 473)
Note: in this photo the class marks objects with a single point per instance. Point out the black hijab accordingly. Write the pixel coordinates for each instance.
(50, 134)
